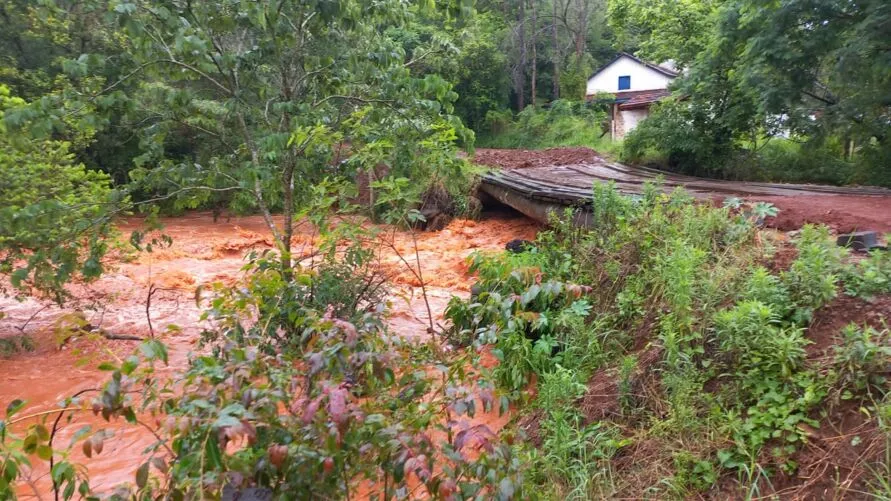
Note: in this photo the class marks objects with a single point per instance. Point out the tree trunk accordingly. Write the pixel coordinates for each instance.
(556, 43)
(534, 50)
(521, 70)
(288, 214)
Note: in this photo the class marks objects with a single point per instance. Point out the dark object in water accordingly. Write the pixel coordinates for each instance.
(475, 291)
(519, 245)
(859, 241)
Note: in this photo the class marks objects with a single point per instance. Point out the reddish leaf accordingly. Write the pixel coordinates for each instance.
(337, 405)
(309, 412)
(277, 455)
(481, 434)
(249, 431)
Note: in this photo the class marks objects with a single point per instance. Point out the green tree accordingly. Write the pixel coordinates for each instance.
(56, 213)
(45, 51)
(281, 95)
(815, 70)
(662, 30)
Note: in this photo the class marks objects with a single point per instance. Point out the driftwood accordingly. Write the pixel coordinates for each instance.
(119, 337)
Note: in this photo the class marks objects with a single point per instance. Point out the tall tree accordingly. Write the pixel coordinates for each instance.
(276, 90)
(556, 57)
(661, 30)
(55, 214)
(534, 76)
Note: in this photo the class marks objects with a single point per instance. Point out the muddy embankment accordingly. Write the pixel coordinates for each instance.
(202, 252)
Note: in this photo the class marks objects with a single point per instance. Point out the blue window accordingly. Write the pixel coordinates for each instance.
(624, 83)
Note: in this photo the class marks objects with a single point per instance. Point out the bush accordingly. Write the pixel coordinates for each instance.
(309, 415)
(869, 276)
(789, 161)
(682, 138)
(55, 215)
(563, 123)
(684, 340)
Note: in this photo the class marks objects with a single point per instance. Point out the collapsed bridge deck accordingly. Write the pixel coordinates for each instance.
(537, 190)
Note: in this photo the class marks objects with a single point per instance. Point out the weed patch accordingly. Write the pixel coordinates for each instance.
(661, 324)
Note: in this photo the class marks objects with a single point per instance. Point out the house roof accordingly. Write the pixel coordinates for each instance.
(639, 98)
(655, 67)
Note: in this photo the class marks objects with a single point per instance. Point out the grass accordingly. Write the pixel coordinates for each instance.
(12, 345)
(659, 333)
(564, 124)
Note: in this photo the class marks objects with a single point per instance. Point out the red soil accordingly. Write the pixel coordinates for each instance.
(842, 213)
(523, 159)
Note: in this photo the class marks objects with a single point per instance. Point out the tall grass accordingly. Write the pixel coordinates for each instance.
(659, 332)
(563, 123)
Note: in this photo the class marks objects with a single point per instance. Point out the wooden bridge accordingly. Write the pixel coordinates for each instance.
(536, 191)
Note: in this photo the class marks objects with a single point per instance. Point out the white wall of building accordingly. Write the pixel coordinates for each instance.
(642, 77)
(630, 118)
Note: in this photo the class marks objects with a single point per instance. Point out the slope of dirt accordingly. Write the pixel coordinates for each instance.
(523, 159)
(828, 322)
(841, 213)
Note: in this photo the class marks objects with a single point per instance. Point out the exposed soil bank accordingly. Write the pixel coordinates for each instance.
(204, 252)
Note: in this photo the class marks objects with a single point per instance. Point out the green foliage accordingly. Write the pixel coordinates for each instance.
(812, 278)
(731, 389)
(56, 214)
(310, 415)
(12, 345)
(693, 473)
(753, 76)
(676, 133)
(664, 30)
(319, 93)
(869, 276)
(564, 123)
(574, 461)
(861, 360)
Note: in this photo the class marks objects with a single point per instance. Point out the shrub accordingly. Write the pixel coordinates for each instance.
(869, 276)
(811, 279)
(564, 123)
(304, 416)
(862, 360)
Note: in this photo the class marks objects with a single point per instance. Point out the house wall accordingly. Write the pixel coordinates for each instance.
(630, 118)
(626, 120)
(642, 77)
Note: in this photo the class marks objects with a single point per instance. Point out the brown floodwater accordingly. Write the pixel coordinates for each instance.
(204, 252)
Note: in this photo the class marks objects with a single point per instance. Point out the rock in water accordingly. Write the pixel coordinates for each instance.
(519, 245)
(859, 241)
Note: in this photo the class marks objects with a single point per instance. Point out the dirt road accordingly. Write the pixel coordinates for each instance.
(565, 176)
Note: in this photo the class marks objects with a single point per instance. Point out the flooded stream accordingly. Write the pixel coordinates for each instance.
(203, 252)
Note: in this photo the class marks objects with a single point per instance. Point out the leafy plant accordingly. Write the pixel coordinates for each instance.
(862, 360)
(869, 276)
(812, 277)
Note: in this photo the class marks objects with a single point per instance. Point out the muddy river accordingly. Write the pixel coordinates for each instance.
(203, 252)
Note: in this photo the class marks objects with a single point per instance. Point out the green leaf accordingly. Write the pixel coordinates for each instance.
(13, 407)
(212, 449)
(44, 452)
(142, 475)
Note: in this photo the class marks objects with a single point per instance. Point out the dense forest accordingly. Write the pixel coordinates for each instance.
(674, 350)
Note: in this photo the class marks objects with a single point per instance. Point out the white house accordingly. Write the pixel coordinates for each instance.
(636, 84)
